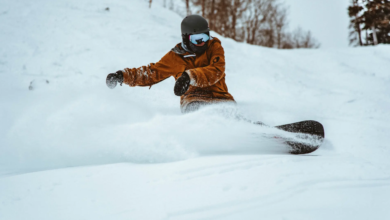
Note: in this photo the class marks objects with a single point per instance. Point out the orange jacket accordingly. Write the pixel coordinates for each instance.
(207, 73)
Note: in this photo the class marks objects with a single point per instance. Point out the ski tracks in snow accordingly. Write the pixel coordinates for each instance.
(271, 186)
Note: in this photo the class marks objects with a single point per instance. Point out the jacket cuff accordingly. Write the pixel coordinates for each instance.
(127, 77)
(192, 77)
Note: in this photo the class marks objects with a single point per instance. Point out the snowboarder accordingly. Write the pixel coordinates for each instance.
(197, 63)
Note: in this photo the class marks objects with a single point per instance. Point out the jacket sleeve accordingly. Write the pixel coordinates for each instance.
(211, 74)
(169, 65)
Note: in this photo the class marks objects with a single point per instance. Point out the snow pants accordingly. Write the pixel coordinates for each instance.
(194, 106)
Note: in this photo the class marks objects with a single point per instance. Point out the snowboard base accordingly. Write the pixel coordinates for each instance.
(312, 130)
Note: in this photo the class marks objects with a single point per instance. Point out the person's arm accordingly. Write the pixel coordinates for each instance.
(211, 74)
(169, 65)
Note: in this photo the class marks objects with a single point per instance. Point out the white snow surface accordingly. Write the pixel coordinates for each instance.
(70, 148)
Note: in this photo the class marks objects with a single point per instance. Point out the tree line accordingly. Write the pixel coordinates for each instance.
(257, 22)
(369, 22)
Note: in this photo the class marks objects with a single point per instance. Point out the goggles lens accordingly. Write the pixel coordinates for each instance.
(199, 38)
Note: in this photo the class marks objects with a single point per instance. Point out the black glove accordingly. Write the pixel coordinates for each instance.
(114, 78)
(182, 84)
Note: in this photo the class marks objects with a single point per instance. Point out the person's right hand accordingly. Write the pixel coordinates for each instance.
(182, 84)
(114, 78)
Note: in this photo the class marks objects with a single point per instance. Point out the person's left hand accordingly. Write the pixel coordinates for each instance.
(114, 78)
(182, 84)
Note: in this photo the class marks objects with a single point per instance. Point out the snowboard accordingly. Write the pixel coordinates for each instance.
(312, 132)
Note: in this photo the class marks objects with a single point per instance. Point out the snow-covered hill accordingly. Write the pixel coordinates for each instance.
(70, 148)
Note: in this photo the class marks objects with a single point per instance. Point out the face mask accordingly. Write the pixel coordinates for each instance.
(198, 49)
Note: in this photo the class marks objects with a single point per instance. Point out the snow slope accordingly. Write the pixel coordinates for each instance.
(70, 148)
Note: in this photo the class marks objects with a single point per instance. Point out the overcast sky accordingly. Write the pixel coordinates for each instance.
(326, 19)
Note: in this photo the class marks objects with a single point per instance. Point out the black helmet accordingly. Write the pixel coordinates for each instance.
(194, 24)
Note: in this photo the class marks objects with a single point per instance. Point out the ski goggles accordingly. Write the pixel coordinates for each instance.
(199, 38)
